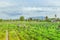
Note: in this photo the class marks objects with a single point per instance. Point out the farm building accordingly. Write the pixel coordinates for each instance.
(55, 20)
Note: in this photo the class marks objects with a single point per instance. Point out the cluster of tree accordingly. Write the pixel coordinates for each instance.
(31, 19)
(22, 18)
(47, 19)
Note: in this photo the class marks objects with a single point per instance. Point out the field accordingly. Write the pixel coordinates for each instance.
(29, 30)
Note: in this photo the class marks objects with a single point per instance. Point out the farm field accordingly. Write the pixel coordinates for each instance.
(29, 30)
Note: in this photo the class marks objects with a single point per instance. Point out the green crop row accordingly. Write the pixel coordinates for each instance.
(30, 30)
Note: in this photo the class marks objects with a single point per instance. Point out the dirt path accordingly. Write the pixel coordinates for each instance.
(15, 33)
(7, 35)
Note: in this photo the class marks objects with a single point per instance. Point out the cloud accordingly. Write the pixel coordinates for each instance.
(41, 11)
(5, 4)
(54, 2)
(29, 9)
(14, 9)
(14, 13)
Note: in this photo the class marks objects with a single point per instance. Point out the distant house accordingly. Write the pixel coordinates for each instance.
(55, 20)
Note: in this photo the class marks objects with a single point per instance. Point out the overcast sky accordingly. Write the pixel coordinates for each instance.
(15, 8)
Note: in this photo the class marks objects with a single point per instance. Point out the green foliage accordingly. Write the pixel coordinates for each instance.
(22, 18)
(55, 15)
(1, 20)
(30, 19)
(46, 18)
(30, 30)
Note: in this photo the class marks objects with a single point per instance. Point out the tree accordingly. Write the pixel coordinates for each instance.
(1, 20)
(22, 18)
(46, 17)
(55, 16)
(30, 19)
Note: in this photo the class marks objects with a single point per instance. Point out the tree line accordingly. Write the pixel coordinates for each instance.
(22, 18)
